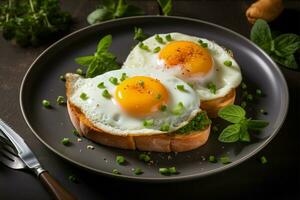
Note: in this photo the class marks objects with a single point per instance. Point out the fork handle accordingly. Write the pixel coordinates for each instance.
(54, 187)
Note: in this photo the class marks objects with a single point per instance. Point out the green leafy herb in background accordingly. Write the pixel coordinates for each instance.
(166, 6)
(139, 34)
(110, 9)
(102, 61)
(281, 48)
(32, 22)
(238, 131)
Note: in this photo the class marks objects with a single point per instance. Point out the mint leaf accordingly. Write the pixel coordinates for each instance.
(286, 44)
(230, 134)
(99, 15)
(84, 60)
(288, 61)
(166, 6)
(104, 43)
(244, 134)
(232, 113)
(257, 124)
(132, 11)
(261, 35)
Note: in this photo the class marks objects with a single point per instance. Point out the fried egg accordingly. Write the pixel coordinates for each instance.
(202, 63)
(135, 101)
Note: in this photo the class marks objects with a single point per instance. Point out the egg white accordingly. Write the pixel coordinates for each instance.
(225, 78)
(107, 114)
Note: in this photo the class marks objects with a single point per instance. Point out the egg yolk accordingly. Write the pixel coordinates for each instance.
(140, 95)
(193, 58)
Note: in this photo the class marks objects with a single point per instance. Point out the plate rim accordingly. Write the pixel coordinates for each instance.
(284, 103)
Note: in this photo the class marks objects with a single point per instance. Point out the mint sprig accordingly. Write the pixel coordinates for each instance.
(238, 131)
(281, 48)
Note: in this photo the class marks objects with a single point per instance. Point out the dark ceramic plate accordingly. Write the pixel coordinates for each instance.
(51, 125)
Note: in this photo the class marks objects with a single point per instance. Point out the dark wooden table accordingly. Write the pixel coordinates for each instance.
(278, 179)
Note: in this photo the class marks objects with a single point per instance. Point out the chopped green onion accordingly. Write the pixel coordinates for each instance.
(243, 104)
(120, 160)
(156, 50)
(141, 83)
(158, 96)
(212, 159)
(178, 109)
(212, 88)
(181, 88)
(159, 39)
(148, 122)
(79, 71)
(225, 160)
(60, 100)
(138, 171)
(164, 171)
(113, 80)
(106, 94)
(163, 108)
(62, 77)
(244, 86)
(46, 103)
(249, 97)
(200, 41)
(168, 37)
(144, 157)
(101, 85)
(144, 47)
(65, 141)
(84, 96)
(228, 63)
(191, 85)
(76, 133)
(263, 160)
(165, 127)
(172, 170)
(115, 171)
(258, 92)
(204, 45)
(123, 77)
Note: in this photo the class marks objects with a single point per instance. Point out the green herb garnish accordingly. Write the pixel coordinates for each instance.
(106, 94)
(73, 179)
(138, 171)
(172, 170)
(199, 122)
(79, 71)
(144, 157)
(238, 131)
(76, 133)
(144, 47)
(115, 171)
(249, 97)
(165, 127)
(123, 77)
(244, 86)
(163, 108)
(168, 171)
(148, 122)
(102, 60)
(228, 63)
(111, 9)
(84, 96)
(46, 103)
(204, 45)
(141, 83)
(139, 34)
(101, 85)
(258, 92)
(113, 80)
(156, 50)
(225, 160)
(165, 6)
(181, 88)
(159, 39)
(66, 141)
(158, 96)
(169, 38)
(60, 100)
(212, 159)
(62, 78)
(212, 88)
(262, 111)
(178, 110)
(263, 160)
(281, 48)
(120, 160)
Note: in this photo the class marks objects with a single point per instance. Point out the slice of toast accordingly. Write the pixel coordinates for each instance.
(159, 143)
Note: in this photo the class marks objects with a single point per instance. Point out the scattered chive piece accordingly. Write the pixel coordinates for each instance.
(113, 80)
(138, 171)
(120, 160)
(181, 88)
(144, 157)
(84, 96)
(165, 127)
(156, 50)
(178, 109)
(76, 133)
(212, 159)
(168, 37)
(141, 83)
(101, 85)
(66, 141)
(144, 47)
(60, 100)
(200, 41)
(172, 170)
(79, 71)
(159, 39)
(62, 77)
(115, 171)
(204, 45)
(148, 122)
(106, 94)
(228, 63)
(73, 179)
(123, 77)
(46, 103)
(263, 160)
(262, 111)
(164, 171)
(163, 108)
(158, 96)
(212, 88)
(249, 97)
(244, 86)
(243, 104)
(225, 160)
(258, 92)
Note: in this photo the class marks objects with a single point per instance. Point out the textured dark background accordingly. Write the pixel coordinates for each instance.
(278, 179)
